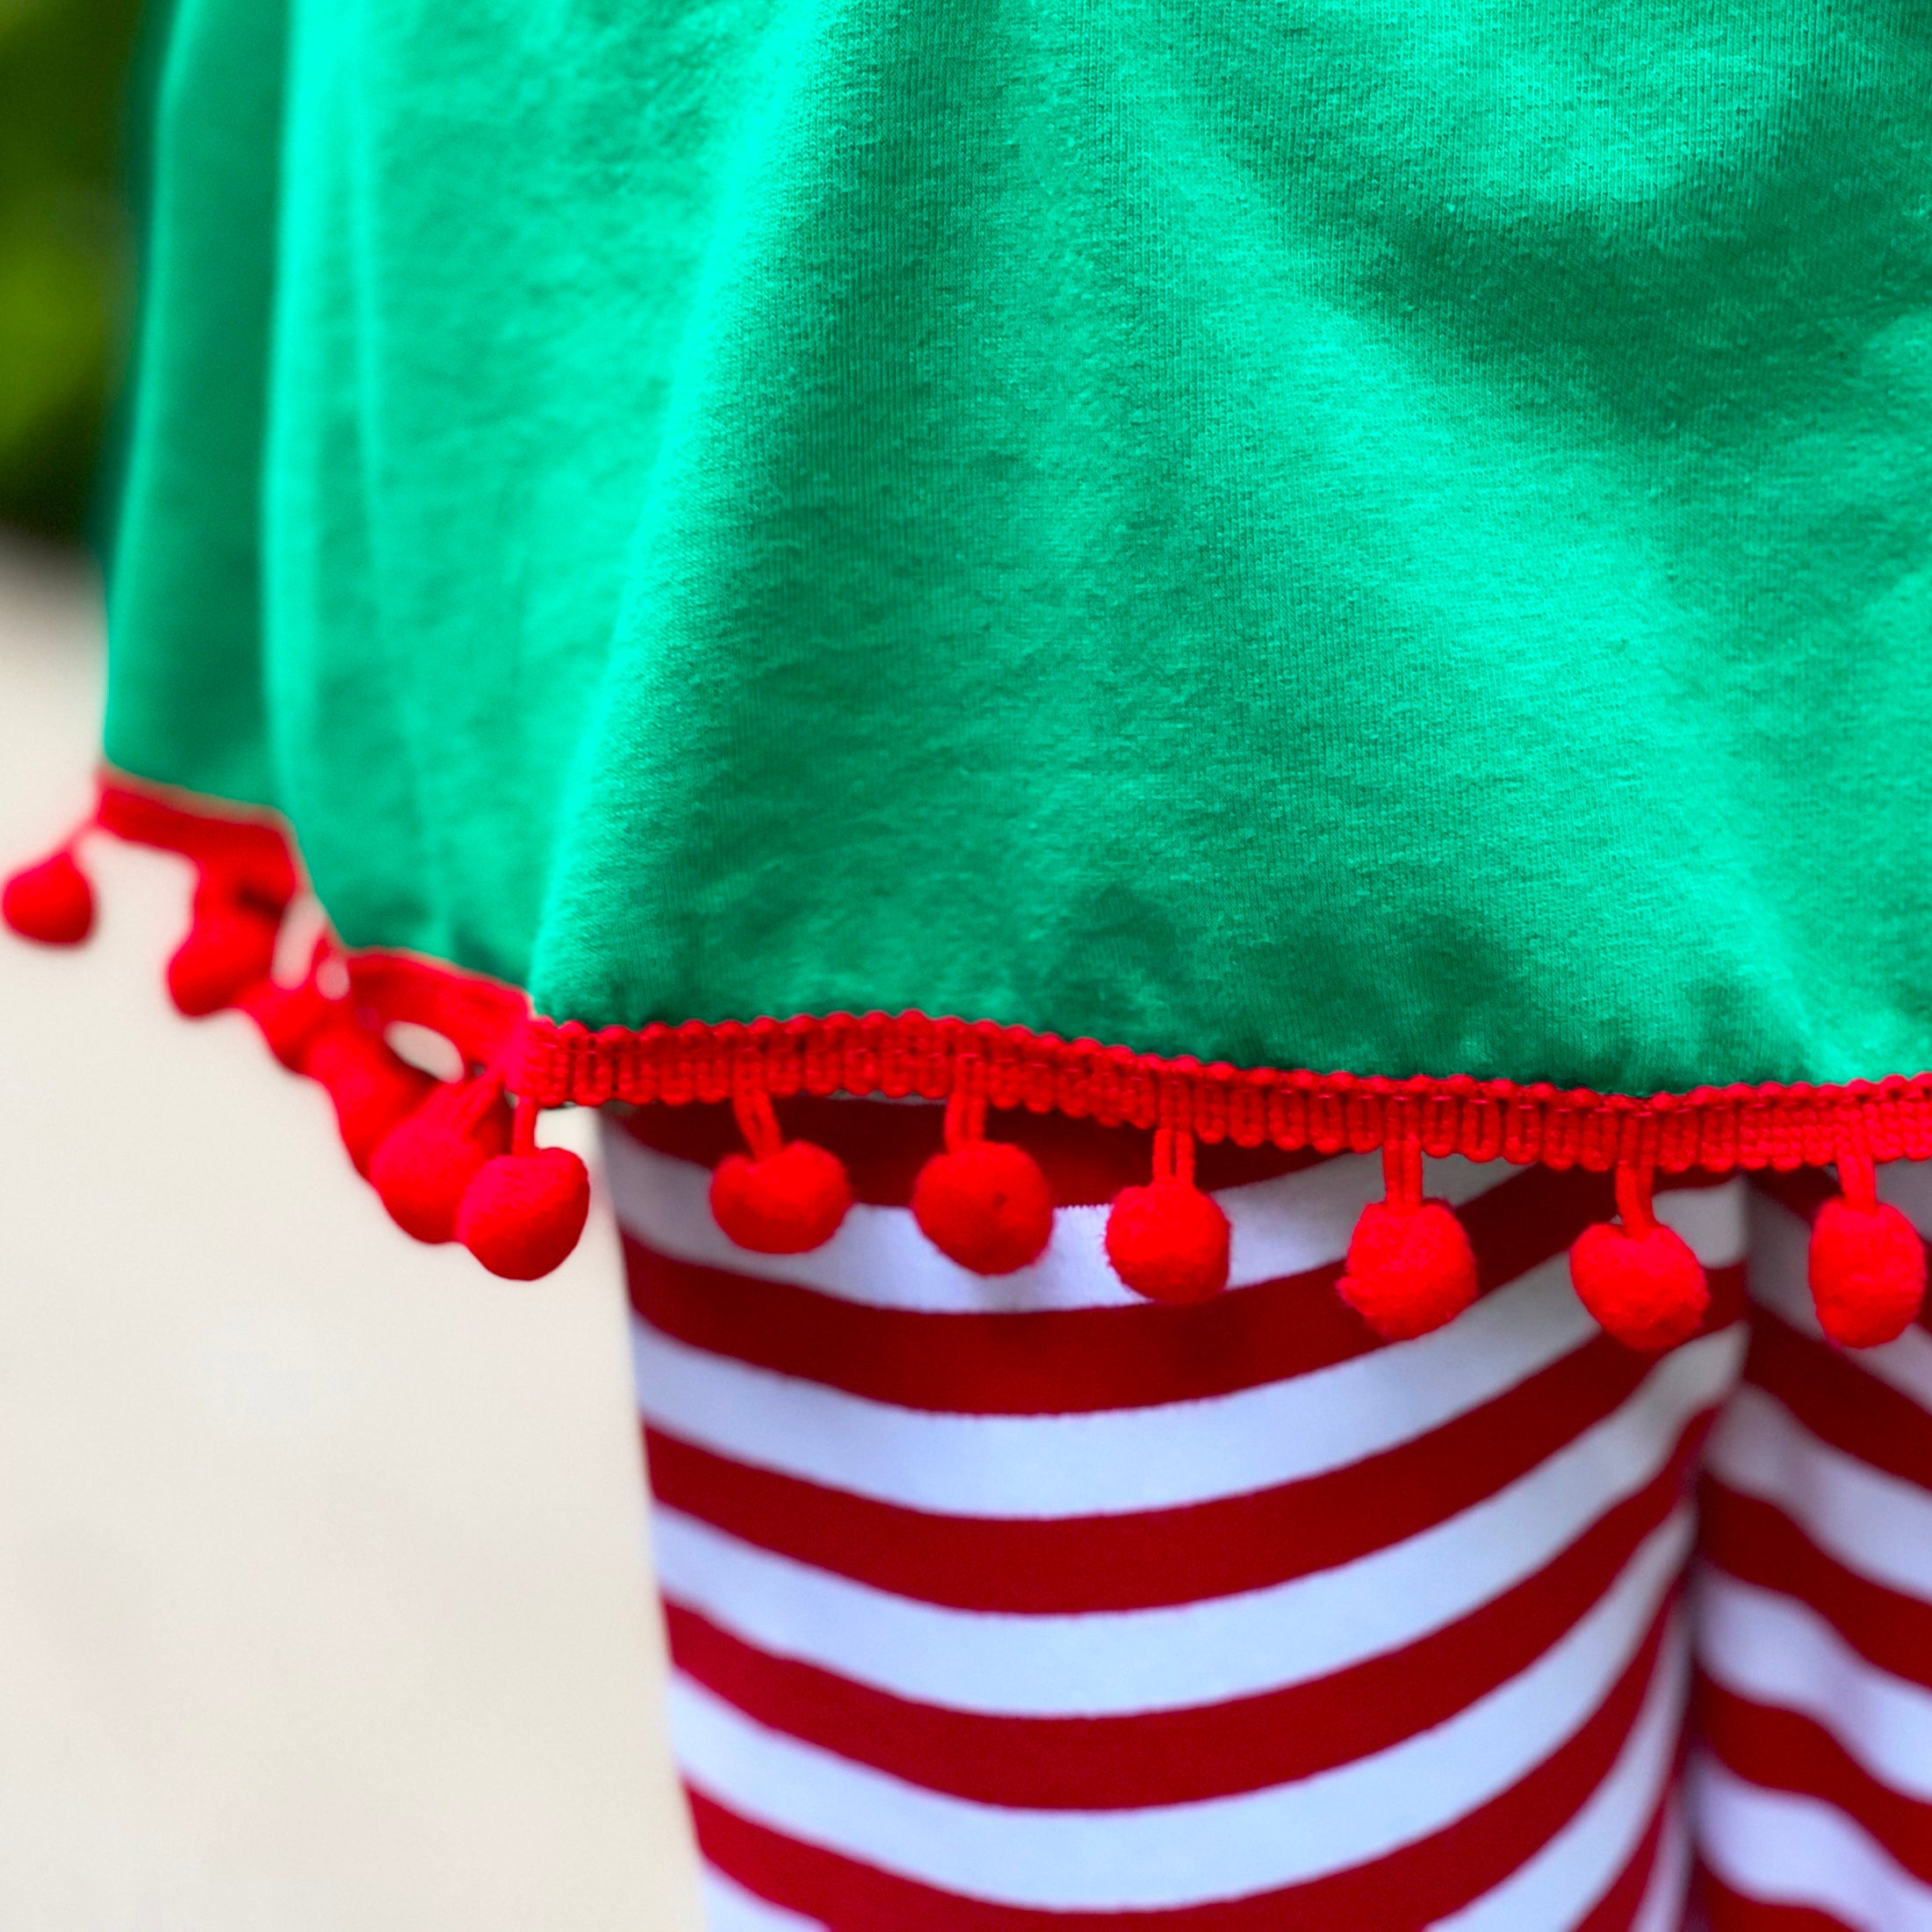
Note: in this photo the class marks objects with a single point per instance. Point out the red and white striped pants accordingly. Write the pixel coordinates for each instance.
(1019, 1603)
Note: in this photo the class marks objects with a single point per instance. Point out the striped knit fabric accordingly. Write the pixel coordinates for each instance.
(1812, 1774)
(1014, 1604)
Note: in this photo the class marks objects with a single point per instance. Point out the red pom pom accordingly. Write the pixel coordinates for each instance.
(522, 1213)
(1867, 1271)
(1169, 1241)
(791, 1200)
(1647, 1290)
(51, 902)
(985, 1205)
(228, 949)
(425, 1165)
(372, 1089)
(1410, 1269)
(290, 1018)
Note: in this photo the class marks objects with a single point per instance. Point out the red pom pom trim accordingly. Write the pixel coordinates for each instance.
(426, 1163)
(1638, 1278)
(524, 1212)
(1867, 1262)
(373, 1091)
(1169, 1241)
(290, 1018)
(228, 951)
(785, 1197)
(984, 1204)
(1410, 1267)
(51, 902)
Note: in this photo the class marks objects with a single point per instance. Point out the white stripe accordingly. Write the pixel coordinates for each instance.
(1780, 1848)
(1781, 1282)
(1908, 1185)
(1162, 1456)
(1663, 1908)
(1713, 1221)
(1774, 1650)
(1560, 1884)
(1779, 1276)
(1873, 1522)
(1905, 1365)
(1178, 1656)
(729, 1908)
(1163, 1856)
(1280, 1227)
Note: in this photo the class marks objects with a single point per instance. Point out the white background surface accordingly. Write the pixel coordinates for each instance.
(323, 1598)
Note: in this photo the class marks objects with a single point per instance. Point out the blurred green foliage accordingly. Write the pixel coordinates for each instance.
(64, 248)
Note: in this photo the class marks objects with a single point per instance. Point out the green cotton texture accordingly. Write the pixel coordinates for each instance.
(1392, 535)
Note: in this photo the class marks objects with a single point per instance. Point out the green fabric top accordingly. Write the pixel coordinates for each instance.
(1381, 533)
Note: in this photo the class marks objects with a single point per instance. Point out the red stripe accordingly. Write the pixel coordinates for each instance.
(1171, 1757)
(1757, 1543)
(1617, 1910)
(1136, 1559)
(1729, 1911)
(1839, 1401)
(1056, 1361)
(1404, 1889)
(1781, 1750)
(1052, 1361)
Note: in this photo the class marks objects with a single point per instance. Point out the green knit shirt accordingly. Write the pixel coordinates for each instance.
(1392, 535)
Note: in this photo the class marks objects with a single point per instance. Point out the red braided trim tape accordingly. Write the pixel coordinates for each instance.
(1718, 1129)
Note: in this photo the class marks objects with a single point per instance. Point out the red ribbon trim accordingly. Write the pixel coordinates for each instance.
(1716, 1129)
